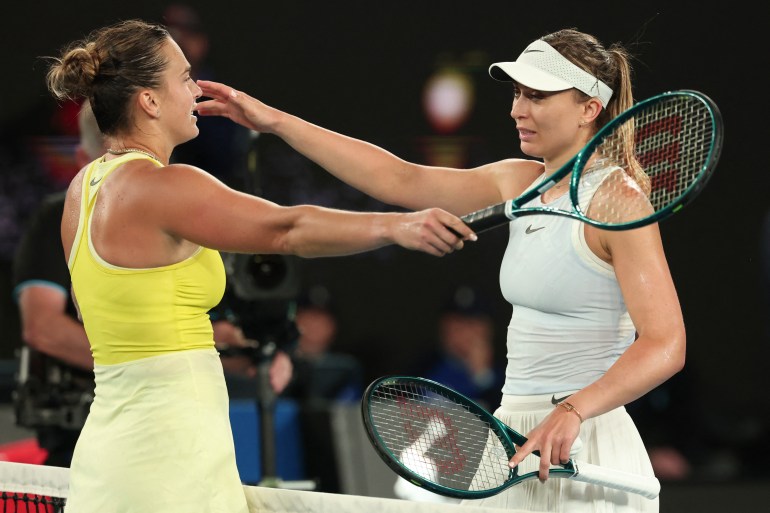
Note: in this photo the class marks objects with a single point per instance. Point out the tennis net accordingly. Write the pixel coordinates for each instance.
(29, 488)
(26, 488)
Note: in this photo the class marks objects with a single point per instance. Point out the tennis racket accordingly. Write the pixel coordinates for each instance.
(440, 440)
(641, 167)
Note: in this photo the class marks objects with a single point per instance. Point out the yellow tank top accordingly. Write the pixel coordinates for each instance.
(129, 313)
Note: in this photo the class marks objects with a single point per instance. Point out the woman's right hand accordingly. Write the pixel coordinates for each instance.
(433, 231)
(235, 105)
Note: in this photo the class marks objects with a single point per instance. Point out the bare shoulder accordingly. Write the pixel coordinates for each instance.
(515, 175)
(163, 193)
(142, 182)
(176, 174)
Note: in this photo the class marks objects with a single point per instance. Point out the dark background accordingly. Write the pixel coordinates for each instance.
(359, 68)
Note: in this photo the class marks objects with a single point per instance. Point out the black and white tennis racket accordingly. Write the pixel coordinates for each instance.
(641, 167)
(440, 440)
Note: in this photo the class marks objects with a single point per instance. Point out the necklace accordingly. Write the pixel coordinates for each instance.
(553, 192)
(133, 150)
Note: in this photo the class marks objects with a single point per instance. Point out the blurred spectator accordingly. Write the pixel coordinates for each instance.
(221, 147)
(320, 373)
(56, 372)
(465, 359)
(36, 159)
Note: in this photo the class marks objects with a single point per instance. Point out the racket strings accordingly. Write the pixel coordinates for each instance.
(648, 162)
(438, 439)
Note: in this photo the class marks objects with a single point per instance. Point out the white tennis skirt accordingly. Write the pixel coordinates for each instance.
(158, 438)
(610, 440)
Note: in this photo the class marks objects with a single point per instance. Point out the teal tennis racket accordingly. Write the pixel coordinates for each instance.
(640, 168)
(440, 440)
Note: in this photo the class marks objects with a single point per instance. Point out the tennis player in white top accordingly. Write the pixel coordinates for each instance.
(596, 320)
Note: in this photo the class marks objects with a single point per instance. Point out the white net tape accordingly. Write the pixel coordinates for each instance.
(52, 482)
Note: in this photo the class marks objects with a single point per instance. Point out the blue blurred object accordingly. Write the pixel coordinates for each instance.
(247, 435)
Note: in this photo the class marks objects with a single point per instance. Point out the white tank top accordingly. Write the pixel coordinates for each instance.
(569, 322)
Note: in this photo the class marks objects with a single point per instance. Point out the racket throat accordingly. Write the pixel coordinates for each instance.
(509, 210)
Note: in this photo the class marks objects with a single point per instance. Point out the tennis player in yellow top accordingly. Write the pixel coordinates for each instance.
(142, 240)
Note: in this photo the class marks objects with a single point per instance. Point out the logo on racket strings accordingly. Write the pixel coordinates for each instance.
(436, 429)
(658, 148)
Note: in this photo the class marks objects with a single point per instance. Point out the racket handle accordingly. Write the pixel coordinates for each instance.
(643, 485)
(487, 218)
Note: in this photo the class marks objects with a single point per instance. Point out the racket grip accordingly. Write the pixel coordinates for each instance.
(643, 485)
(487, 218)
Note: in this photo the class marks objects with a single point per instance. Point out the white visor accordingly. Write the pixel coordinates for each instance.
(543, 68)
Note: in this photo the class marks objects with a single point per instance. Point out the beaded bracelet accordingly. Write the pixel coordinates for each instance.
(567, 406)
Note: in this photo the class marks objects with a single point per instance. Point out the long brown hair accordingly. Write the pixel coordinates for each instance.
(612, 66)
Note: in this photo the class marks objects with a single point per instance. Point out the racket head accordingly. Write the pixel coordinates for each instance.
(677, 142)
(434, 437)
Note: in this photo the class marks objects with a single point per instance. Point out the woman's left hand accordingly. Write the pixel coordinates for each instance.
(553, 437)
(235, 105)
